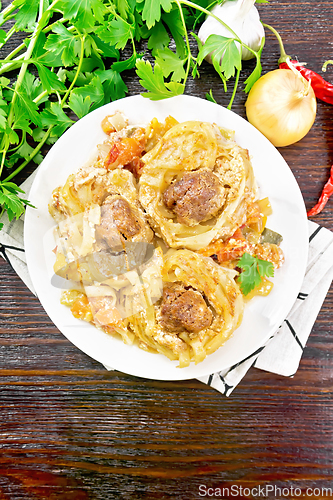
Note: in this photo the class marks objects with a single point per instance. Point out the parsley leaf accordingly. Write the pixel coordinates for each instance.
(225, 48)
(256, 73)
(105, 48)
(153, 81)
(54, 115)
(27, 14)
(11, 201)
(113, 85)
(64, 43)
(49, 80)
(177, 30)
(22, 124)
(31, 85)
(171, 63)
(11, 136)
(79, 105)
(94, 90)
(117, 33)
(152, 10)
(83, 13)
(123, 7)
(210, 97)
(24, 106)
(3, 114)
(253, 270)
(3, 35)
(158, 37)
(129, 63)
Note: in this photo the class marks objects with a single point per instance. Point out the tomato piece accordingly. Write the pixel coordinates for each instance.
(81, 309)
(125, 150)
(230, 249)
(135, 166)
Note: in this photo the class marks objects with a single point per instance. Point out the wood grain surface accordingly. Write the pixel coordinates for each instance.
(71, 430)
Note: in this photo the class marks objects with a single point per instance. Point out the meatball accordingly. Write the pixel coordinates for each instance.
(195, 198)
(184, 309)
(116, 217)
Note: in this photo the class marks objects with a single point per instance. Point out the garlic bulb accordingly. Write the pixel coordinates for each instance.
(242, 17)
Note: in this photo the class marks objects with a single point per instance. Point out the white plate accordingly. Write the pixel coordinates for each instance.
(275, 180)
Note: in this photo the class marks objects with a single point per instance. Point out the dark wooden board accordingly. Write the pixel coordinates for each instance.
(71, 430)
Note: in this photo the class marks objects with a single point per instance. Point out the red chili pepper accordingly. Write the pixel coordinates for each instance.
(322, 89)
(326, 193)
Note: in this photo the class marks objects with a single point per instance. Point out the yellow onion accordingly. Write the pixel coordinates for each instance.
(282, 105)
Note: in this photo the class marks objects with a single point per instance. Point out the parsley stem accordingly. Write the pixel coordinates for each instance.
(78, 70)
(9, 34)
(50, 26)
(6, 13)
(326, 63)
(10, 66)
(209, 7)
(234, 90)
(25, 64)
(16, 51)
(31, 156)
(189, 55)
(27, 55)
(40, 96)
(24, 135)
(18, 61)
(2, 160)
(202, 9)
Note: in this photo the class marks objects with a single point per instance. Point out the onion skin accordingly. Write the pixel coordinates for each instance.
(283, 106)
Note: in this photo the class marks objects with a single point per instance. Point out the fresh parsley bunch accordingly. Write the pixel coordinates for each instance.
(71, 61)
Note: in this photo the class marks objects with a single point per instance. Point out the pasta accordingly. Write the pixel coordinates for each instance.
(85, 208)
(209, 308)
(204, 150)
(137, 228)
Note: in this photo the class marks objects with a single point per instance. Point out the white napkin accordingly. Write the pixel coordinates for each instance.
(282, 353)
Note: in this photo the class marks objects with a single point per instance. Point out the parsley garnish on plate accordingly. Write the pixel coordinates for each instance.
(253, 270)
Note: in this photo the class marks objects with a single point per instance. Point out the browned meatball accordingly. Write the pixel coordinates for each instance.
(184, 309)
(195, 198)
(116, 215)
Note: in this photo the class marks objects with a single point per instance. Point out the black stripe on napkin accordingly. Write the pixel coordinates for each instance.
(3, 249)
(4, 255)
(210, 379)
(258, 351)
(294, 334)
(315, 233)
(302, 296)
(227, 387)
(11, 247)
